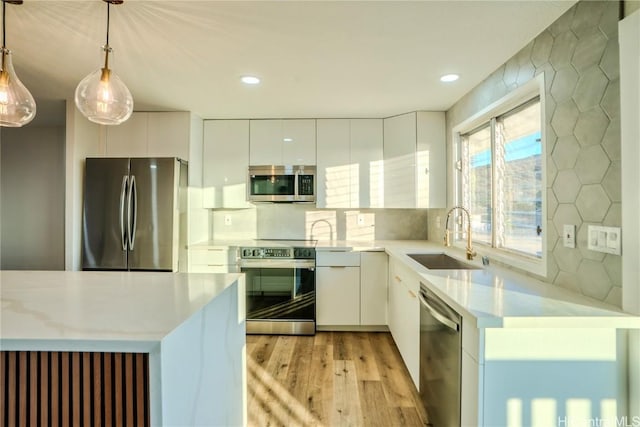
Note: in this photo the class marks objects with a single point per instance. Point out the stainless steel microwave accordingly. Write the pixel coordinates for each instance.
(281, 184)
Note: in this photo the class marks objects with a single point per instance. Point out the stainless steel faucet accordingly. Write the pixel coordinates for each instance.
(325, 221)
(447, 240)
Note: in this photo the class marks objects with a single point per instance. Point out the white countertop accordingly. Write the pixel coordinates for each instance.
(495, 297)
(123, 311)
(491, 296)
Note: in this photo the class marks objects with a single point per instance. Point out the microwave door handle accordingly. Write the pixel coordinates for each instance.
(296, 189)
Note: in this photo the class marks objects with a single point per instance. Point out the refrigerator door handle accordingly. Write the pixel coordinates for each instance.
(132, 212)
(123, 190)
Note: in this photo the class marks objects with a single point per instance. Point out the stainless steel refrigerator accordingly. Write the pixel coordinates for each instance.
(134, 214)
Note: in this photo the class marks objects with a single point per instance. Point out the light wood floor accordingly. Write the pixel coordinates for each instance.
(330, 379)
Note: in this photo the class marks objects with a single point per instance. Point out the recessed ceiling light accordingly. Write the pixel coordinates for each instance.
(449, 78)
(287, 139)
(250, 80)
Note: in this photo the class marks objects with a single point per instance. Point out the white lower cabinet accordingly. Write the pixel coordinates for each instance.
(404, 316)
(338, 295)
(212, 260)
(351, 289)
(373, 288)
(337, 288)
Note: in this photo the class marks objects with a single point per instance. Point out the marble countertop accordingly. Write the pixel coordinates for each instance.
(99, 311)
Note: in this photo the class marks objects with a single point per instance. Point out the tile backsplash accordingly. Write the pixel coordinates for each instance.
(578, 55)
(300, 221)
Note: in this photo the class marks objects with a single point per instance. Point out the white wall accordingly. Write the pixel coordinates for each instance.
(629, 30)
(32, 203)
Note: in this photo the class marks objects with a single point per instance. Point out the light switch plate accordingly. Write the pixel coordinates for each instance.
(604, 239)
(227, 220)
(569, 236)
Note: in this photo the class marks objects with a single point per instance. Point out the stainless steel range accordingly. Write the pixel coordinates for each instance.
(281, 288)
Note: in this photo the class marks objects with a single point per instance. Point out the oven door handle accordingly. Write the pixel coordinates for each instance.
(277, 263)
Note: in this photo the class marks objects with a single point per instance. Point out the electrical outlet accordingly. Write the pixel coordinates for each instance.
(227, 220)
(604, 239)
(569, 236)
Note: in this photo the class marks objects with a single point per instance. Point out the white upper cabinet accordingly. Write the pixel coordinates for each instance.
(150, 134)
(282, 142)
(349, 163)
(225, 156)
(415, 160)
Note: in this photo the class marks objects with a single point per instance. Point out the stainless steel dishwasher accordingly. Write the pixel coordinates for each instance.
(440, 359)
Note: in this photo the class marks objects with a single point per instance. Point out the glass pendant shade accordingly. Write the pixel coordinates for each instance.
(17, 106)
(103, 98)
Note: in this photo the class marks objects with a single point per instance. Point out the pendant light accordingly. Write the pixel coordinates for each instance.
(17, 107)
(101, 96)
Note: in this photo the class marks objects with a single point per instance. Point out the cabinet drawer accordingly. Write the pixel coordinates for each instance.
(337, 259)
(200, 268)
(210, 256)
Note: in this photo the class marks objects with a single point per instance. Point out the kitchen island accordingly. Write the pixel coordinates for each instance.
(151, 348)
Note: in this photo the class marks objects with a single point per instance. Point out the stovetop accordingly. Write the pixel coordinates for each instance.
(286, 243)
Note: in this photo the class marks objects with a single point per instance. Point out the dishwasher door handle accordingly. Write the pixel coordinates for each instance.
(437, 315)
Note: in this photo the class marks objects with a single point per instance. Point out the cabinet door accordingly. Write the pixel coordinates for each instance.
(265, 145)
(366, 160)
(334, 187)
(168, 134)
(404, 316)
(337, 296)
(431, 170)
(128, 139)
(373, 288)
(399, 161)
(410, 330)
(299, 142)
(225, 155)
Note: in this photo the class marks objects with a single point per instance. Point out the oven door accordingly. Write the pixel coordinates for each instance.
(281, 296)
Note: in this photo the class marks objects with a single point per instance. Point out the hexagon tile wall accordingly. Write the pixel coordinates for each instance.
(579, 56)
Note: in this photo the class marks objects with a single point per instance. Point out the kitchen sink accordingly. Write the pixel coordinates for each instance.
(441, 262)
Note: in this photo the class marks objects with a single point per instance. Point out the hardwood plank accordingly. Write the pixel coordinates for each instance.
(363, 357)
(393, 373)
(263, 348)
(342, 346)
(374, 412)
(346, 410)
(320, 387)
(297, 381)
(407, 416)
(323, 338)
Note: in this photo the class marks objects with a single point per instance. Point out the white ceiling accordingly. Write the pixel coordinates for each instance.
(315, 58)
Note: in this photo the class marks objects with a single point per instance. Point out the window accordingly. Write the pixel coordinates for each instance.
(502, 181)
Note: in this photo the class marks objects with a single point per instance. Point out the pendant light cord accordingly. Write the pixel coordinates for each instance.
(106, 46)
(4, 20)
(108, 9)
